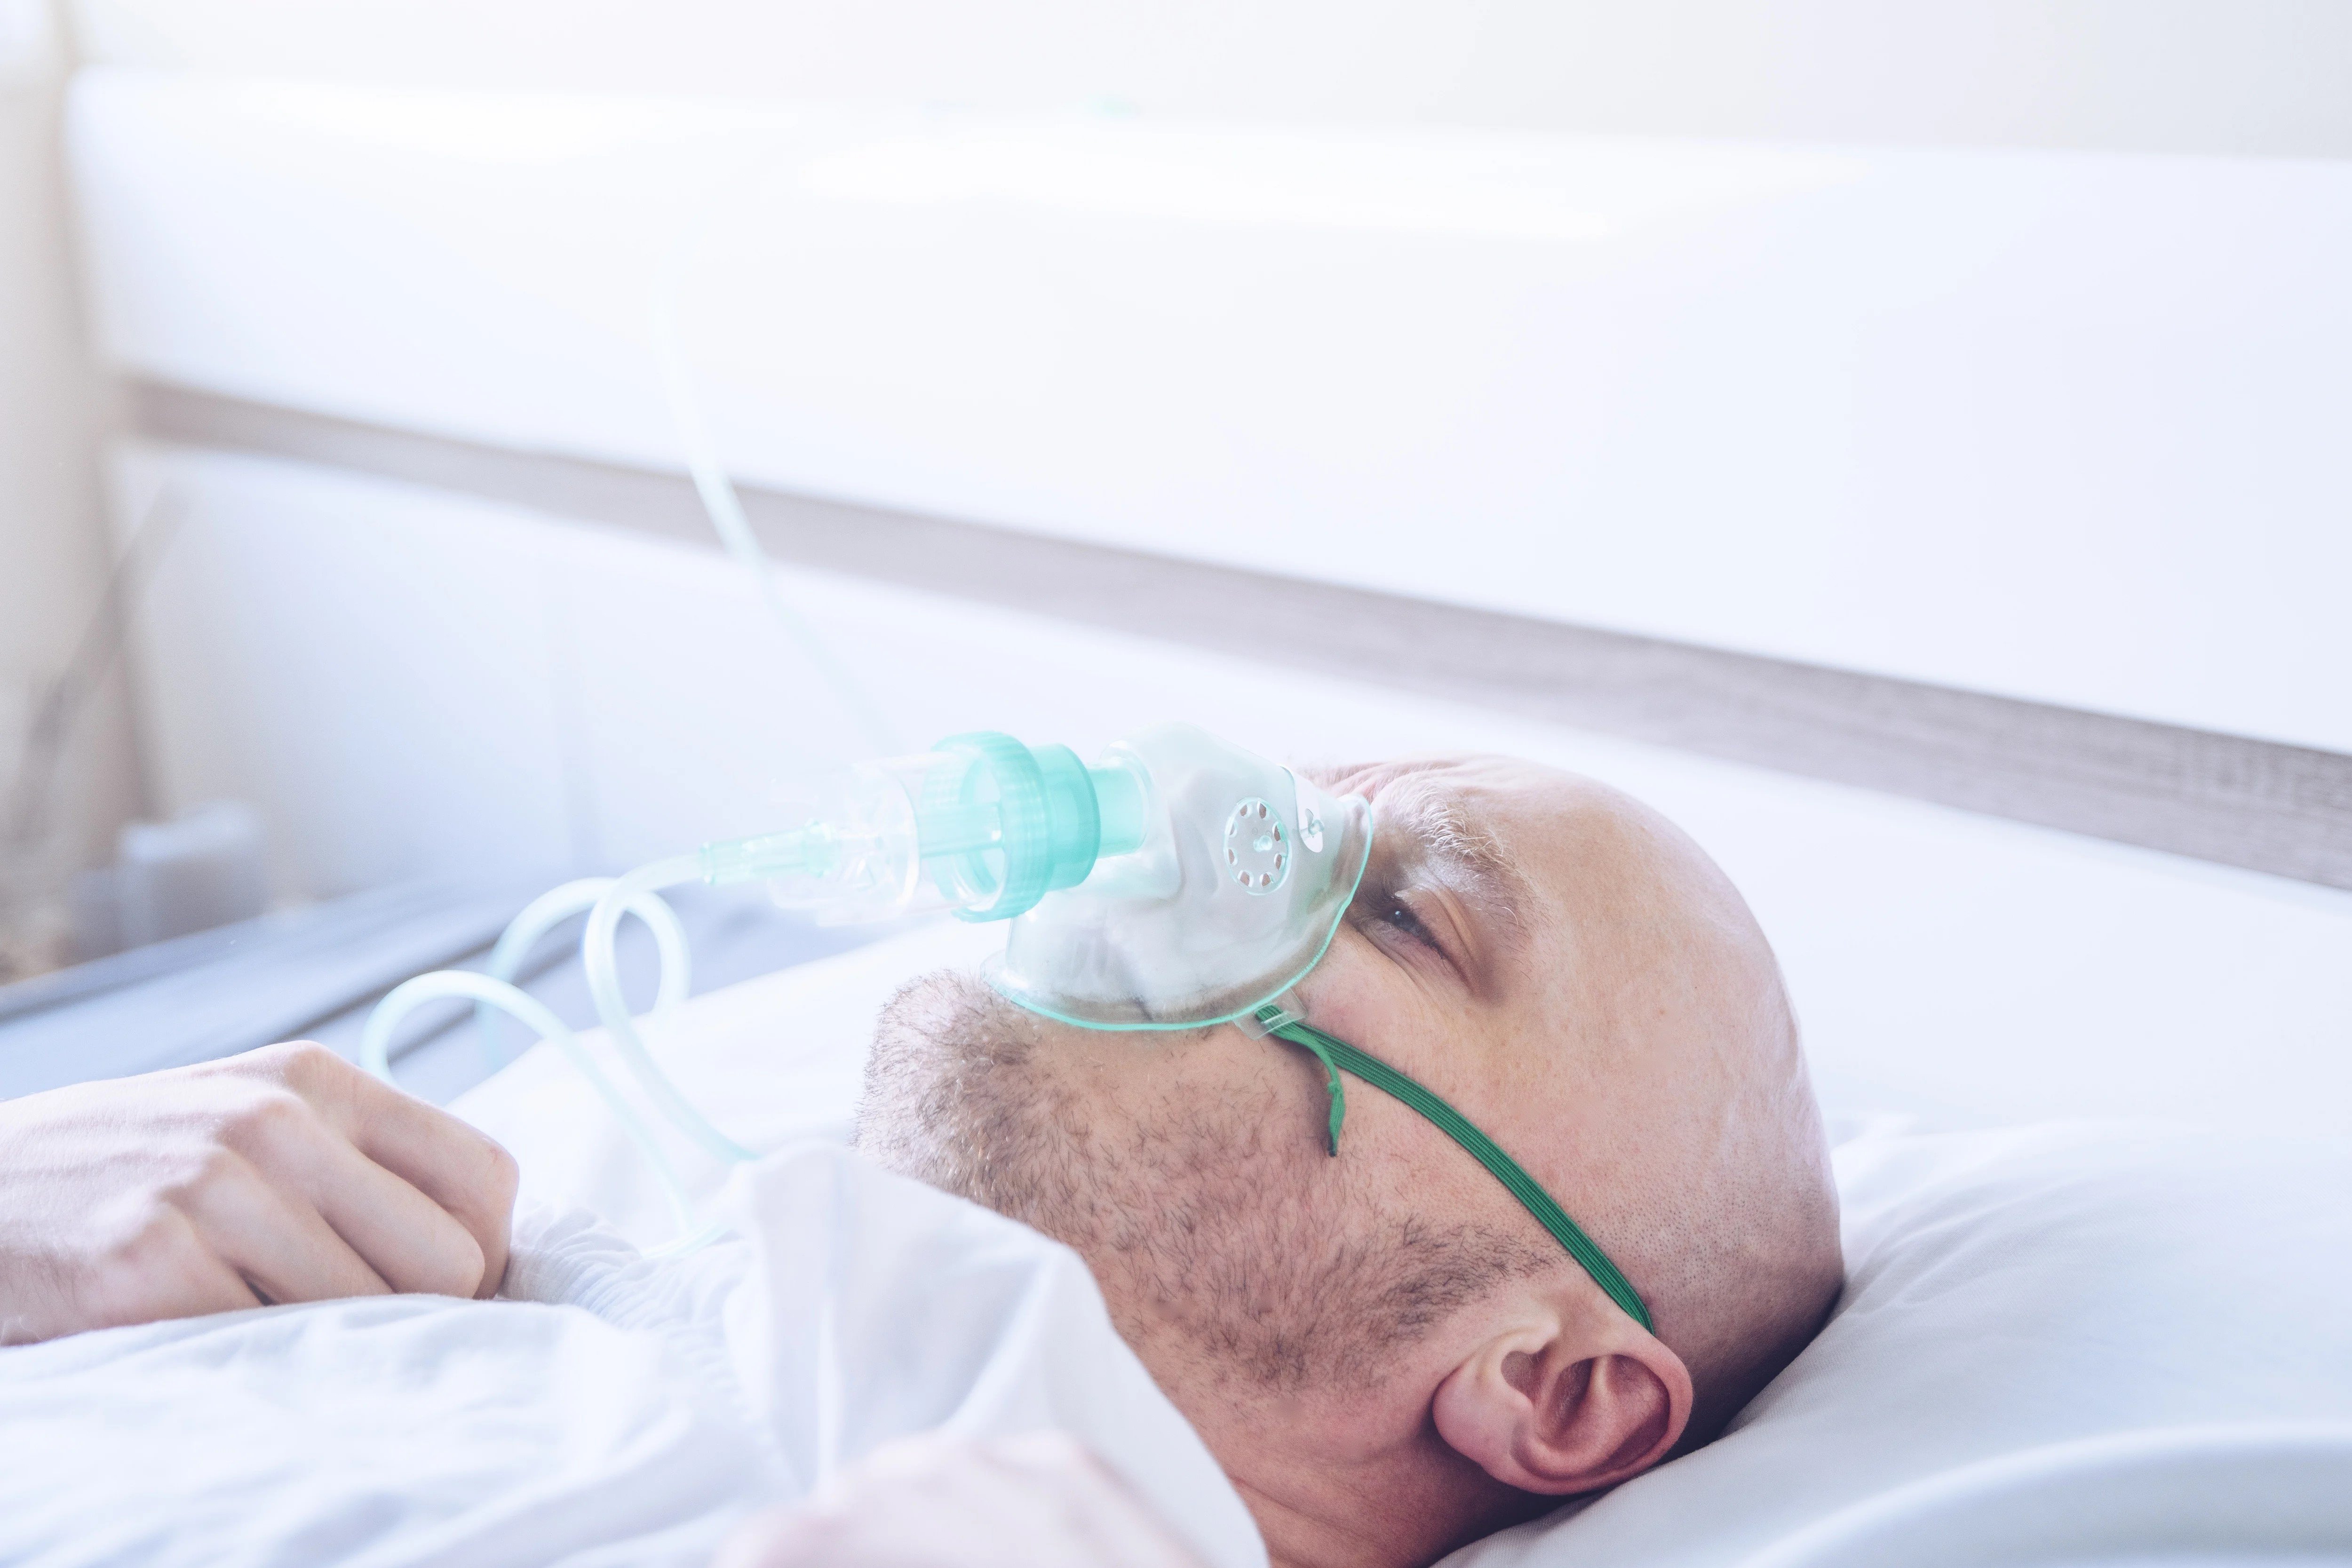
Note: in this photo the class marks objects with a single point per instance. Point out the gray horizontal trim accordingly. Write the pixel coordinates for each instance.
(2225, 798)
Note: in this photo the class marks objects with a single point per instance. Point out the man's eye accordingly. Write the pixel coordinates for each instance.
(1403, 920)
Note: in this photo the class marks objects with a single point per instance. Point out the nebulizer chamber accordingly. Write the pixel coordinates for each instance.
(983, 826)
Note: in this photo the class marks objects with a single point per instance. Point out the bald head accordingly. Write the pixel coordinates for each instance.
(1387, 1342)
(1644, 1049)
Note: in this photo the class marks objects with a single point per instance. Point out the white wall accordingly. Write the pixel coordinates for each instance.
(52, 549)
(2181, 76)
(410, 683)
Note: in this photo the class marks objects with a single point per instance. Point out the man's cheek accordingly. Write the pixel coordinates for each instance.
(1349, 995)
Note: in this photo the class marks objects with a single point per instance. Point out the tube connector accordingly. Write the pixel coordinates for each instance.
(1121, 798)
(761, 855)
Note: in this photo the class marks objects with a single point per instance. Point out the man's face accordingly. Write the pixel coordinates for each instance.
(1190, 1169)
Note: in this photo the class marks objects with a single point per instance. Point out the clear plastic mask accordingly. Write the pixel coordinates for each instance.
(1243, 875)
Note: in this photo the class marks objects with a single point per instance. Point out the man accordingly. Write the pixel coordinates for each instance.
(1386, 1354)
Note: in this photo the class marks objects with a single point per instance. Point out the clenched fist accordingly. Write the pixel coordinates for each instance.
(284, 1175)
(1033, 1501)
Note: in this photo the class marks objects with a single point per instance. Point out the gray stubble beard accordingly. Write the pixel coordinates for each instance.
(1219, 1232)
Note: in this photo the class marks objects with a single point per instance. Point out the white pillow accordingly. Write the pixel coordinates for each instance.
(2012, 1290)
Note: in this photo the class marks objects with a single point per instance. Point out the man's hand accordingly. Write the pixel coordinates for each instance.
(284, 1175)
(1033, 1501)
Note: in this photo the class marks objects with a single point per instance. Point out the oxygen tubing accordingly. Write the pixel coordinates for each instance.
(486, 993)
(612, 898)
(596, 954)
(725, 507)
(608, 899)
(549, 911)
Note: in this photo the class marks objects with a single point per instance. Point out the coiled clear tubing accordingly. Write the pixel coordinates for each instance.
(494, 992)
(983, 827)
(607, 899)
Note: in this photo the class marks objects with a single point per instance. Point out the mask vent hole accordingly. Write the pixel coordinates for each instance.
(1257, 846)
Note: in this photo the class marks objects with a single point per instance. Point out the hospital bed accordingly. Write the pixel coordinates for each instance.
(2068, 1343)
(2097, 973)
(2086, 1342)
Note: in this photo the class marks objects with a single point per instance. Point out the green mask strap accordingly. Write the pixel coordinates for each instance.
(1338, 1055)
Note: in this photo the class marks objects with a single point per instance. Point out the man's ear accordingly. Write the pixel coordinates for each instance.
(1566, 1407)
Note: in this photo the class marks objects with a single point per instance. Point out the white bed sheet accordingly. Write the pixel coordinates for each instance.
(621, 1410)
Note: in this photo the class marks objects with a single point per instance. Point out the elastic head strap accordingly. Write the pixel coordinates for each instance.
(1337, 1056)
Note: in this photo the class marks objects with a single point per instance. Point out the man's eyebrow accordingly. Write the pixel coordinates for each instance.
(1464, 854)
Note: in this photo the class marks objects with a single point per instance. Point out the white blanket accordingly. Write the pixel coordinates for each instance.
(624, 1411)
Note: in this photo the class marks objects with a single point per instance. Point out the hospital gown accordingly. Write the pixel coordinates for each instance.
(620, 1409)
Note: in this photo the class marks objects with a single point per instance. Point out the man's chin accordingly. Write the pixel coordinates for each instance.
(949, 1087)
